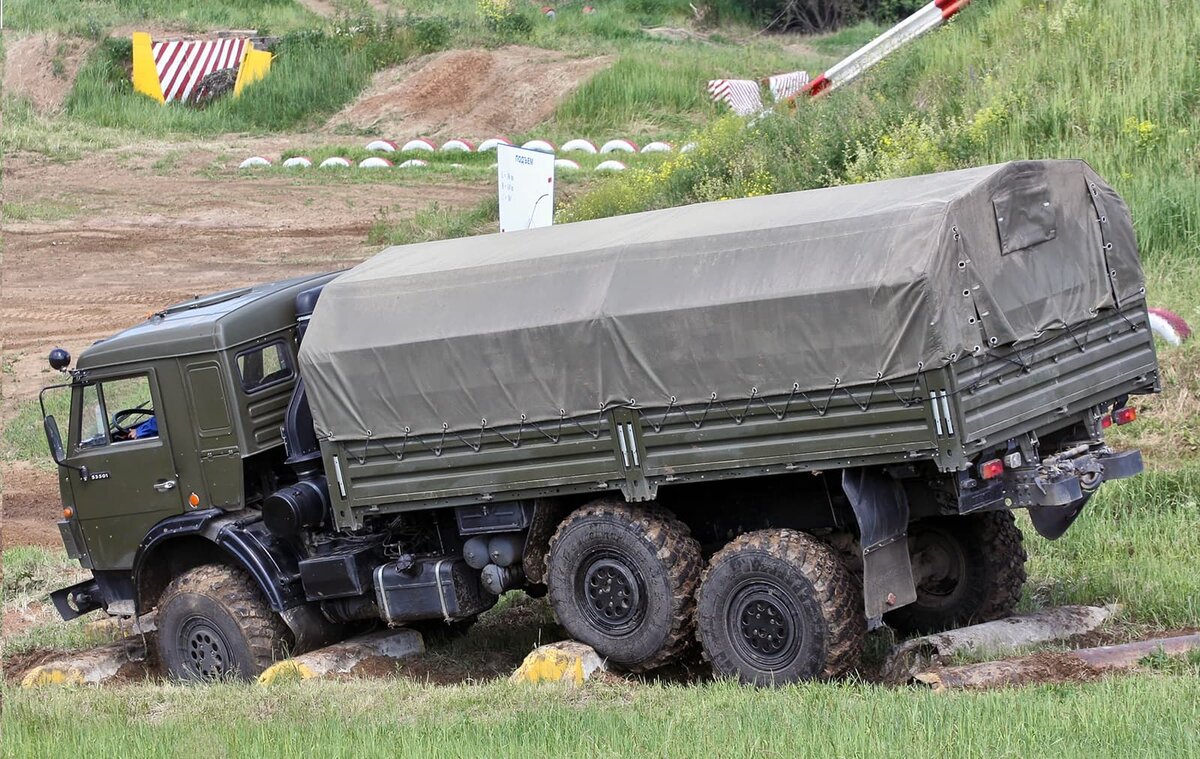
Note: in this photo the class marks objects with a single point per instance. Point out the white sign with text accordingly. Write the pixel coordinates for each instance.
(526, 179)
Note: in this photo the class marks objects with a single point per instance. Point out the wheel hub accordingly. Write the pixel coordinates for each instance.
(205, 651)
(764, 625)
(610, 595)
(940, 567)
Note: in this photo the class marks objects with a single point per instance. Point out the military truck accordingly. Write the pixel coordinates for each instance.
(764, 426)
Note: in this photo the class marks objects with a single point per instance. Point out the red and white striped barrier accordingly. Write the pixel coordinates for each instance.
(742, 95)
(611, 166)
(657, 147)
(852, 66)
(335, 162)
(413, 163)
(181, 64)
(254, 161)
(566, 163)
(1169, 325)
(457, 146)
(297, 162)
(382, 146)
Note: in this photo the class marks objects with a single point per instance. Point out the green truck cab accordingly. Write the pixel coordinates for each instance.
(763, 426)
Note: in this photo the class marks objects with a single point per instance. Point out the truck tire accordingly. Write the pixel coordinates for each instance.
(214, 624)
(622, 579)
(968, 569)
(777, 607)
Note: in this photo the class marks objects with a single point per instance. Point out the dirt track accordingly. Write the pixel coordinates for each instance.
(137, 240)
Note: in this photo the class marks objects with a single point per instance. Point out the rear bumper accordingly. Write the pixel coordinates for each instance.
(1060, 481)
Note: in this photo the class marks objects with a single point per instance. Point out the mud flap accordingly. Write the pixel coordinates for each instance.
(881, 508)
(1052, 521)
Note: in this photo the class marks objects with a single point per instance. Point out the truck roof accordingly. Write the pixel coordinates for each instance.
(204, 324)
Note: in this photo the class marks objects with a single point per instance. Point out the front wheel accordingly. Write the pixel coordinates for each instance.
(777, 607)
(213, 624)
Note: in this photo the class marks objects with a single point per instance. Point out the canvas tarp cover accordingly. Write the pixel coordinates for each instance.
(839, 286)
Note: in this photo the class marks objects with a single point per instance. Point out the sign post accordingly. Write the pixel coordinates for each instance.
(526, 185)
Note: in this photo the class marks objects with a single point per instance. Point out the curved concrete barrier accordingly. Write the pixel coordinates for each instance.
(619, 146)
(342, 658)
(492, 143)
(336, 162)
(382, 146)
(611, 166)
(420, 143)
(297, 162)
(581, 146)
(567, 661)
(374, 162)
(254, 162)
(542, 146)
(457, 146)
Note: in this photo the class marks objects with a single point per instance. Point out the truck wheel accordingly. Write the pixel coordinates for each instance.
(622, 579)
(968, 569)
(777, 607)
(213, 623)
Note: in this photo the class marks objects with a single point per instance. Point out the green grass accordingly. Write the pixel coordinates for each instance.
(24, 437)
(435, 223)
(46, 210)
(661, 86)
(1150, 715)
(93, 18)
(313, 75)
(1114, 83)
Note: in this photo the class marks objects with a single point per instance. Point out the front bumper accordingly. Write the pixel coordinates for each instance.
(78, 599)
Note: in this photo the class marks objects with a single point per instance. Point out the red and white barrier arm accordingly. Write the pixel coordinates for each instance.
(852, 66)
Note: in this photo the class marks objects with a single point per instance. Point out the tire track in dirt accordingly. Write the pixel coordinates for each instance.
(140, 241)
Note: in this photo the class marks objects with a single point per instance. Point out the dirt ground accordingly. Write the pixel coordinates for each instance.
(471, 94)
(42, 68)
(138, 239)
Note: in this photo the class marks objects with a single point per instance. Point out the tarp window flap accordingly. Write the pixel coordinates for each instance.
(1025, 217)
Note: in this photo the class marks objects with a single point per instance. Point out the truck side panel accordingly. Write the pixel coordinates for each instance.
(1051, 383)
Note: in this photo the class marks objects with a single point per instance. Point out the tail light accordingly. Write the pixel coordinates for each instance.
(1124, 415)
(1105, 421)
(989, 470)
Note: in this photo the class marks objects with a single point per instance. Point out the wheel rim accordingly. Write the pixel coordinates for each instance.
(764, 624)
(610, 593)
(203, 649)
(943, 568)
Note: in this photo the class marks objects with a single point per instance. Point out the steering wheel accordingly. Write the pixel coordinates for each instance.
(125, 413)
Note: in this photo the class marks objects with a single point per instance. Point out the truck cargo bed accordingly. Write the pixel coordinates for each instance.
(946, 416)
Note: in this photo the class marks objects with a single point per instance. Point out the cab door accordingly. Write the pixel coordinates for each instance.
(127, 479)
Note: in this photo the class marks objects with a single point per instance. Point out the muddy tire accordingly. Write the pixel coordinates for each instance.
(623, 579)
(777, 607)
(968, 569)
(213, 624)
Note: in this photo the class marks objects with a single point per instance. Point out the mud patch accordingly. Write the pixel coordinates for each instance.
(29, 506)
(468, 93)
(42, 67)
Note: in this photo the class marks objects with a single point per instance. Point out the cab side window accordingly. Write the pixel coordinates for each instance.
(93, 428)
(265, 366)
(116, 411)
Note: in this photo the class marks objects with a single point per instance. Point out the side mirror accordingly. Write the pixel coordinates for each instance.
(54, 440)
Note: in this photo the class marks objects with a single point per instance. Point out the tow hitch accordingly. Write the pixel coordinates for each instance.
(1055, 490)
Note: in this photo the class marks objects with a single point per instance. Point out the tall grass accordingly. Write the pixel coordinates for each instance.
(1148, 715)
(1113, 82)
(93, 18)
(663, 85)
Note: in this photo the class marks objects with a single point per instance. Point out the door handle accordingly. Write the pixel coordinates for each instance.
(164, 487)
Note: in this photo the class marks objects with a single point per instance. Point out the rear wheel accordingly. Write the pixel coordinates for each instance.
(967, 569)
(779, 606)
(213, 623)
(622, 579)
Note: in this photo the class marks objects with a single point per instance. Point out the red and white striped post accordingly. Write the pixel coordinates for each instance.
(854, 65)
